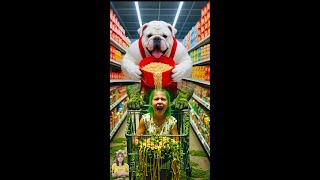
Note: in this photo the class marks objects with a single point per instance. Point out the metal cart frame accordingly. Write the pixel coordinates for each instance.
(183, 125)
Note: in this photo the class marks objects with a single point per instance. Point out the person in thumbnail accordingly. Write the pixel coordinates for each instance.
(120, 169)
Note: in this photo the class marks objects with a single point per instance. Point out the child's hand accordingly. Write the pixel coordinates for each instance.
(122, 174)
(117, 174)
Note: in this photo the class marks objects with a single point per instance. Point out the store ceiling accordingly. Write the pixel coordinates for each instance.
(157, 10)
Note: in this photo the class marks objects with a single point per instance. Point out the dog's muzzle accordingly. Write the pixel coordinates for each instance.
(154, 46)
(157, 42)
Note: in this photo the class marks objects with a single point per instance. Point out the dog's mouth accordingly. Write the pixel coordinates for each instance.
(157, 53)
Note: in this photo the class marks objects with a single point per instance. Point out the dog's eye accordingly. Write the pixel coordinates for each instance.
(164, 36)
(149, 35)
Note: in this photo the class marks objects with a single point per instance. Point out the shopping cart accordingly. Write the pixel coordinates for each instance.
(133, 119)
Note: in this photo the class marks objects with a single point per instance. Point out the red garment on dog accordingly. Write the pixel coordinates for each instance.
(173, 85)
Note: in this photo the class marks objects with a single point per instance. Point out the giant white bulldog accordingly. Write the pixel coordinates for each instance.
(156, 39)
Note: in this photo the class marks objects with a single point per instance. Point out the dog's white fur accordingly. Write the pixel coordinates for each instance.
(130, 62)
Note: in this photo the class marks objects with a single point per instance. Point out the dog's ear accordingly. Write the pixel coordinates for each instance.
(172, 29)
(141, 29)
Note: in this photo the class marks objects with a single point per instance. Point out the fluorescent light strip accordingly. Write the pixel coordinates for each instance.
(138, 12)
(178, 12)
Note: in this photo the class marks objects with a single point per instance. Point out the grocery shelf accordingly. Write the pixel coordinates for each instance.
(114, 43)
(201, 101)
(198, 81)
(115, 63)
(203, 142)
(202, 42)
(118, 125)
(198, 117)
(118, 101)
(202, 62)
(201, 139)
(194, 111)
(122, 80)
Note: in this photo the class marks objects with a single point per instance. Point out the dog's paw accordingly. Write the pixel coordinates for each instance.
(178, 73)
(135, 73)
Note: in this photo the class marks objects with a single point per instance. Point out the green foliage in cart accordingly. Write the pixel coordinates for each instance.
(182, 99)
(158, 150)
(135, 98)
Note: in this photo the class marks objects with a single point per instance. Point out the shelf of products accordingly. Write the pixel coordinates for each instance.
(119, 43)
(200, 53)
(197, 42)
(118, 101)
(198, 81)
(115, 63)
(117, 34)
(114, 43)
(117, 115)
(198, 133)
(200, 33)
(201, 101)
(202, 115)
(116, 73)
(204, 41)
(203, 62)
(113, 132)
(201, 73)
(115, 54)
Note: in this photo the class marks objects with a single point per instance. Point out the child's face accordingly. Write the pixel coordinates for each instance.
(120, 158)
(159, 103)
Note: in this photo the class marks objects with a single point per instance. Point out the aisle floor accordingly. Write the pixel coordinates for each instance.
(203, 162)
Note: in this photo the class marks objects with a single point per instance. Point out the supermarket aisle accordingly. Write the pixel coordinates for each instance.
(122, 130)
(194, 142)
(195, 37)
(203, 161)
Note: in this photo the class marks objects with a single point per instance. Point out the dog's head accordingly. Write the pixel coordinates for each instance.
(157, 37)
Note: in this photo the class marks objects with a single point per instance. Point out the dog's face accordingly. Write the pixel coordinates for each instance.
(157, 37)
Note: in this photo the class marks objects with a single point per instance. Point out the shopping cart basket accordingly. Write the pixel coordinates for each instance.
(133, 119)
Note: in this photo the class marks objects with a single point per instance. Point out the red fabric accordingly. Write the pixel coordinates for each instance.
(173, 85)
(174, 47)
(141, 48)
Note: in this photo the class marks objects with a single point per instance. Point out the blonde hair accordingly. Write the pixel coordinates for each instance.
(117, 154)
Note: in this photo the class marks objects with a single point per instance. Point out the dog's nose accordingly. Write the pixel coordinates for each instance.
(157, 41)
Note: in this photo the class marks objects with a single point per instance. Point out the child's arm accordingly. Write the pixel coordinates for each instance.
(123, 174)
(126, 172)
(114, 174)
(174, 131)
(139, 131)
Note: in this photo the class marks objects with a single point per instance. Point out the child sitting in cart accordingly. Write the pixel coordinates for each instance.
(158, 120)
(120, 170)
